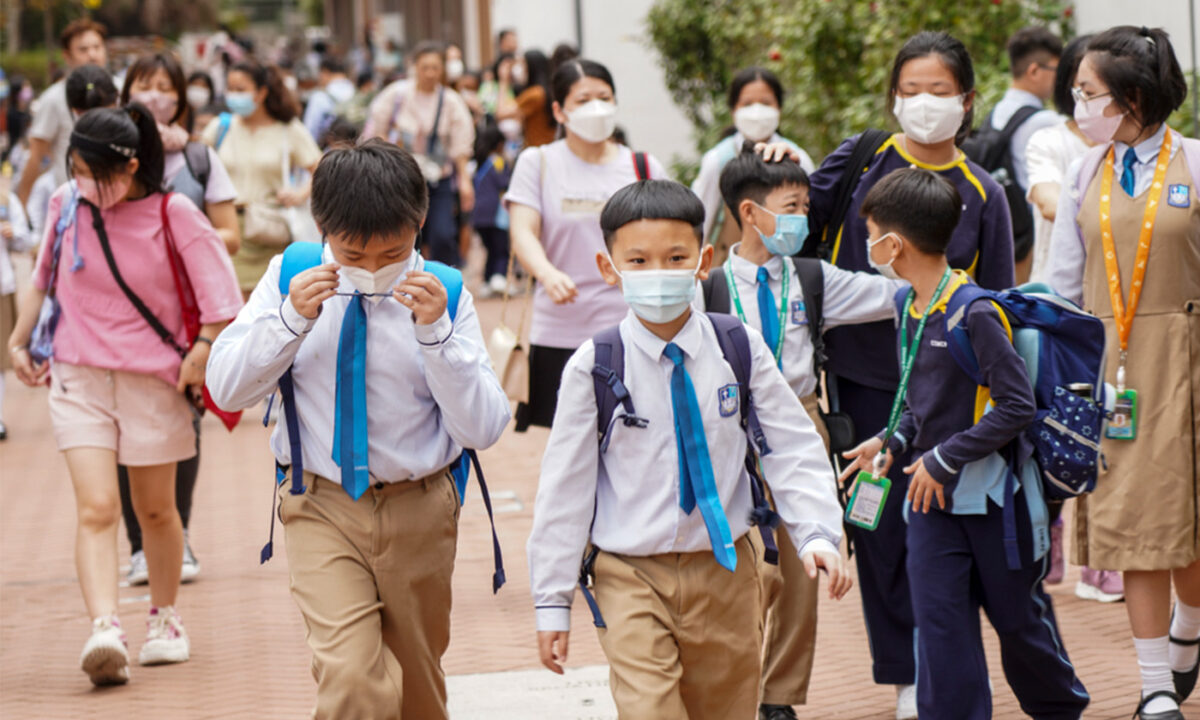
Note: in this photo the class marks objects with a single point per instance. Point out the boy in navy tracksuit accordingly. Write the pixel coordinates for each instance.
(955, 430)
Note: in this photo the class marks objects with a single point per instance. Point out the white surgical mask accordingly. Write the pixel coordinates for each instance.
(658, 296)
(928, 118)
(756, 122)
(454, 69)
(593, 121)
(197, 96)
(375, 285)
(885, 270)
(518, 74)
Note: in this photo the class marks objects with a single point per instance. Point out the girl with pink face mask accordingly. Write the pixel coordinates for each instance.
(123, 375)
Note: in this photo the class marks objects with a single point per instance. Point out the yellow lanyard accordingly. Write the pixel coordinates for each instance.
(1122, 316)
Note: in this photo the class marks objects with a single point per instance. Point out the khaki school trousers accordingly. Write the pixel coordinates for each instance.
(372, 580)
(684, 635)
(790, 612)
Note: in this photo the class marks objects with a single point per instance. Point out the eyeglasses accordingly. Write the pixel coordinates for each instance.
(1081, 97)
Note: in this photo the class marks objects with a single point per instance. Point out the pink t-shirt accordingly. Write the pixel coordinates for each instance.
(569, 198)
(99, 326)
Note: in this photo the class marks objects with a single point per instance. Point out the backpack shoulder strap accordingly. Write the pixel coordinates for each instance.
(865, 148)
(196, 156)
(297, 257)
(641, 166)
(735, 346)
(225, 119)
(812, 288)
(1000, 148)
(452, 279)
(608, 383)
(716, 292)
(955, 317)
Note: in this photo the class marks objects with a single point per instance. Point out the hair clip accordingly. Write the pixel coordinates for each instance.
(1145, 33)
(91, 86)
(126, 151)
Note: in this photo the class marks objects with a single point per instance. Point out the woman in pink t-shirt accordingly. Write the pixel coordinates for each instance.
(119, 391)
(554, 199)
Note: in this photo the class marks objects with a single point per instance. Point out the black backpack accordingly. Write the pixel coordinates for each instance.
(991, 149)
(820, 240)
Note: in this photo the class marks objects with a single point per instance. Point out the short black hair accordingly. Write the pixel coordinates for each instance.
(333, 65)
(90, 86)
(750, 75)
(748, 176)
(1064, 78)
(651, 200)
(919, 204)
(1032, 45)
(1139, 68)
(371, 189)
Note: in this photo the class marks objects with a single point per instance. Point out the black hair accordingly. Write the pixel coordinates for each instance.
(488, 139)
(331, 64)
(748, 176)
(108, 138)
(750, 75)
(572, 72)
(366, 77)
(280, 103)
(1139, 68)
(651, 200)
(537, 74)
(88, 87)
(563, 54)
(953, 54)
(206, 80)
(340, 133)
(1064, 78)
(147, 65)
(1030, 46)
(496, 65)
(918, 204)
(372, 189)
(504, 32)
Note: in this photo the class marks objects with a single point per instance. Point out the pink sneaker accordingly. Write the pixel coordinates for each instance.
(1054, 575)
(1103, 586)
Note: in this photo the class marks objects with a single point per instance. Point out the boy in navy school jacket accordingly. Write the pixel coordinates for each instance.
(371, 543)
(956, 556)
(667, 504)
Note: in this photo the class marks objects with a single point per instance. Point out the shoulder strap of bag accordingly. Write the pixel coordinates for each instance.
(1000, 148)
(437, 119)
(226, 119)
(641, 166)
(716, 292)
(608, 383)
(865, 148)
(812, 288)
(196, 156)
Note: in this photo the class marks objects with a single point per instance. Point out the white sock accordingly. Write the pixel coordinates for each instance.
(1156, 672)
(1185, 626)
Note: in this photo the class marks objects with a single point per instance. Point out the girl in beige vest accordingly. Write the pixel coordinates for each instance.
(1126, 244)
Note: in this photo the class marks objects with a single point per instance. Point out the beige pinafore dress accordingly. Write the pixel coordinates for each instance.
(1143, 514)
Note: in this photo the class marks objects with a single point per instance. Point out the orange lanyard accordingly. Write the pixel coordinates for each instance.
(1122, 316)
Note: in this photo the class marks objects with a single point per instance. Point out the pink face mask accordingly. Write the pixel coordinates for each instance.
(105, 196)
(1090, 117)
(161, 105)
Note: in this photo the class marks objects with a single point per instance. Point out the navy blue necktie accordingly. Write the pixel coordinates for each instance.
(697, 485)
(350, 403)
(766, 309)
(1127, 181)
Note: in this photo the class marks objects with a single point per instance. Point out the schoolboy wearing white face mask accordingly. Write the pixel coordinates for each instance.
(696, 511)
(755, 104)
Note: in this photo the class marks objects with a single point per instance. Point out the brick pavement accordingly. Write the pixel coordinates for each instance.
(249, 657)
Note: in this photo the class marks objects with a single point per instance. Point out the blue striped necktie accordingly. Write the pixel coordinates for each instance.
(1127, 179)
(766, 309)
(350, 401)
(697, 486)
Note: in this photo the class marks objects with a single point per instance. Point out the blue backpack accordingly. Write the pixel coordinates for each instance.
(1064, 352)
(298, 257)
(608, 378)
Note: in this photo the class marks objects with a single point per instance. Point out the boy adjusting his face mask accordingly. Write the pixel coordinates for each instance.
(664, 497)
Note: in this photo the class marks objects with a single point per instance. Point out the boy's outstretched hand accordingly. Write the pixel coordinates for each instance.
(922, 488)
(863, 457)
(552, 647)
(424, 294)
(311, 288)
(840, 581)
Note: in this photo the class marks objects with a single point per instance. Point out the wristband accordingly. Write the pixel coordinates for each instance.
(202, 339)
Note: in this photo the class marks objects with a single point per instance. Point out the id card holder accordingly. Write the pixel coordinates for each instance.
(1123, 423)
(866, 505)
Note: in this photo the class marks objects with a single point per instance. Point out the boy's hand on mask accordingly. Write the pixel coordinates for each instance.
(424, 294)
(311, 288)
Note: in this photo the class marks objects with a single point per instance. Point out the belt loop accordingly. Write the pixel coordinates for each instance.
(312, 484)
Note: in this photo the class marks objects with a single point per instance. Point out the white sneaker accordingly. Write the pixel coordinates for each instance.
(139, 573)
(191, 566)
(498, 283)
(166, 640)
(906, 702)
(105, 657)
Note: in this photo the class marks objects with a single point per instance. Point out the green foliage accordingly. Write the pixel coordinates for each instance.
(31, 65)
(833, 56)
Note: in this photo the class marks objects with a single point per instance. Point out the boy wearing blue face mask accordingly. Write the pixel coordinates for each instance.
(766, 288)
(661, 491)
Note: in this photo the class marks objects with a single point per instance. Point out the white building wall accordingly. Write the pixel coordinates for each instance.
(1171, 15)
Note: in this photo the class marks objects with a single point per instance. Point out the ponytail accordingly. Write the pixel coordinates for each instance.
(108, 138)
(90, 86)
(280, 103)
(1139, 68)
(149, 149)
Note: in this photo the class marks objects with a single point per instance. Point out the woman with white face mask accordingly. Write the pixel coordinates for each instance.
(1126, 246)
(755, 101)
(554, 200)
(931, 93)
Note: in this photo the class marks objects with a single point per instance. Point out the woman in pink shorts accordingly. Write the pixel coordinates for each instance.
(119, 392)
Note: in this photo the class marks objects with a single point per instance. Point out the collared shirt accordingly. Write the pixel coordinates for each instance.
(850, 298)
(629, 496)
(431, 390)
(1014, 99)
(1147, 155)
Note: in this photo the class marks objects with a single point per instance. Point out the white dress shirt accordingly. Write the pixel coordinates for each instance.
(627, 500)
(431, 390)
(850, 298)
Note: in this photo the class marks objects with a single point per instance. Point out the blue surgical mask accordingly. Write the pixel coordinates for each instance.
(790, 233)
(885, 270)
(241, 103)
(658, 296)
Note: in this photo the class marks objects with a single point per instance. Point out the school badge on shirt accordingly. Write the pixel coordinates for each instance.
(728, 397)
(1179, 196)
(799, 313)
